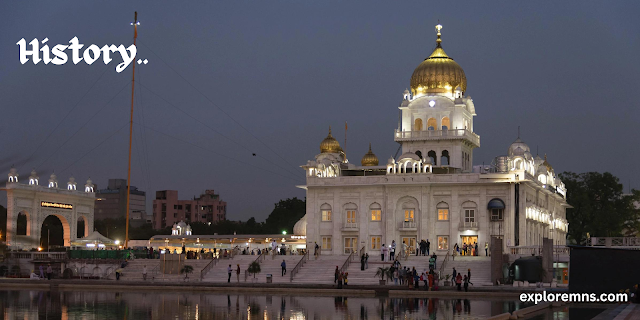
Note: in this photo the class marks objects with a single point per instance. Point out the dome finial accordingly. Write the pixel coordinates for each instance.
(438, 28)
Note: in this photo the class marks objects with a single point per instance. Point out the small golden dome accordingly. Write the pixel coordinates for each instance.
(438, 73)
(546, 164)
(369, 159)
(330, 144)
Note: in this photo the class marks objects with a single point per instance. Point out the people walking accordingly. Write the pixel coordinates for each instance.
(476, 249)
(316, 250)
(366, 261)
(469, 275)
(459, 282)
(455, 273)
(336, 275)
(340, 278)
(144, 272)
(49, 272)
(284, 267)
(466, 283)
(362, 262)
(486, 249)
(238, 273)
(41, 272)
(229, 272)
(392, 253)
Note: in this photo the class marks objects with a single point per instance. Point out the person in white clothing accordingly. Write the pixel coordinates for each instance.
(382, 252)
(144, 272)
(392, 254)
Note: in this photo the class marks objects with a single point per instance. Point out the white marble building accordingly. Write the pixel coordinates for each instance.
(432, 191)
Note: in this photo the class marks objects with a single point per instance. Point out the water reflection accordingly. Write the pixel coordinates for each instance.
(202, 306)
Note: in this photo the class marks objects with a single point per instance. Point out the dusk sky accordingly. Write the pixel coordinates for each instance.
(228, 79)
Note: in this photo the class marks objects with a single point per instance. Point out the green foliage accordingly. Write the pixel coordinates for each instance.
(599, 206)
(285, 215)
(186, 270)
(254, 268)
(384, 271)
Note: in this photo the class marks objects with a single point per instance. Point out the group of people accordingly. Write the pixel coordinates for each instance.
(341, 278)
(41, 276)
(461, 280)
(469, 249)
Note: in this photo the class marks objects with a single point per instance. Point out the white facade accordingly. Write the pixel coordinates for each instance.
(38, 202)
(433, 191)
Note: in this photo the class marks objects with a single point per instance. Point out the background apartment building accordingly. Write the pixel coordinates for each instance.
(112, 202)
(167, 209)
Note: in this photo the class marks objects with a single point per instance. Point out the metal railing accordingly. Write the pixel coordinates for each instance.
(444, 262)
(350, 225)
(298, 266)
(615, 241)
(37, 255)
(208, 267)
(469, 224)
(346, 264)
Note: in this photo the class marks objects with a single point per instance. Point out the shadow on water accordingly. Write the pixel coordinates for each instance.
(23, 304)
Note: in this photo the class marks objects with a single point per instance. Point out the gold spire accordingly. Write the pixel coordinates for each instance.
(438, 73)
(330, 144)
(369, 158)
(438, 28)
(546, 164)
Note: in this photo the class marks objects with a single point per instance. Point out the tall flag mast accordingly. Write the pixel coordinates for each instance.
(135, 25)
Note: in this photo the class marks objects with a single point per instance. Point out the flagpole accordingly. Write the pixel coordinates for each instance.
(135, 24)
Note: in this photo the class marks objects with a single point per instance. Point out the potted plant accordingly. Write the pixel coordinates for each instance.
(254, 268)
(447, 283)
(186, 270)
(382, 271)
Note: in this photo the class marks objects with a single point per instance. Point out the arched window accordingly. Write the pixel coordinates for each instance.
(419, 154)
(432, 124)
(469, 214)
(444, 160)
(325, 211)
(350, 213)
(446, 124)
(434, 158)
(376, 211)
(443, 211)
(417, 125)
(496, 207)
(409, 211)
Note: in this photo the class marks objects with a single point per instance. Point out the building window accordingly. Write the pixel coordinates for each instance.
(408, 215)
(325, 210)
(469, 215)
(443, 243)
(496, 206)
(446, 124)
(350, 244)
(375, 242)
(417, 125)
(432, 124)
(326, 243)
(443, 211)
(351, 216)
(445, 160)
(376, 212)
(434, 158)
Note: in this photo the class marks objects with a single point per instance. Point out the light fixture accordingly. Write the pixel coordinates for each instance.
(432, 103)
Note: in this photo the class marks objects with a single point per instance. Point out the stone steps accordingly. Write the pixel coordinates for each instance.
(321, 270)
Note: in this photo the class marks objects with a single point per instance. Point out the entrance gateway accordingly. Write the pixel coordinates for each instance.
(37, 202)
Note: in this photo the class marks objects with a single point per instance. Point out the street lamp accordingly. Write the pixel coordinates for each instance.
(284, 233)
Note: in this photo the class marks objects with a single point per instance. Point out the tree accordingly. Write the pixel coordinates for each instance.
(254, 268)
(186, 270)
(285, 215)
(599, 206)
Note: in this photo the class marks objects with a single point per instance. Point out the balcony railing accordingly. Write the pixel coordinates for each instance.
(350, 226)
(537, 250)
(452, 134)
(615, 241)
(408, 225)
(468, 225)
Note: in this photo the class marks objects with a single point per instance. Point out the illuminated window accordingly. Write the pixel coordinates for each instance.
(446, 124)
(443, 211)
(443, 243)
(350, 244)
(351, 216)
(417, 125)
(432, 124)
(326, 243)
(325, 211)
(376, 212)
(408, 215)
(375, 242)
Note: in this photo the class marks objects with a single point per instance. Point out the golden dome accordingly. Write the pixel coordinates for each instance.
(438, 73)
(330, 144)
(369, 159)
